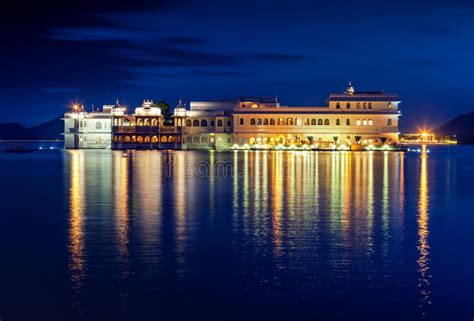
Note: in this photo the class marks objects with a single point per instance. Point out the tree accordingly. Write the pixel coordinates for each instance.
(165, 110)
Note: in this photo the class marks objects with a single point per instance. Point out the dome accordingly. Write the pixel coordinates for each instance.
(350, 89)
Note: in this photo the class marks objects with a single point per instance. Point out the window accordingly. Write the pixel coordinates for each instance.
(241, 122)
(298, 121)
(203, 123)
(272, 121)
(229, 123)
(370, 122)
(338, 122)
(196, 139)
(389, 122)
(306, 121)
(320, 122)
(348, 122)
(98, 125)
(212, 123)
(326, 122)
(252, 121)
(98, 139)
(364, 122)
(265, 121)
(365, 106)
(390, 105)
(188, 122)
(259, 121)
(289, 121)
(196, 123)
(219, 123)
(358, 122)
(358, 105)
(338, 105)
(348, 106)
(370, 105)
(280, 121)
(313, 122)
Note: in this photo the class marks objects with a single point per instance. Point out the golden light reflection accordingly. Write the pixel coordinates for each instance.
(424, 279)
(277, 206)
(76, 220)
(180, 201)
(121, 200)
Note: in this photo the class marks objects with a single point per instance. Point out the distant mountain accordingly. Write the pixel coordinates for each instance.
(461, 126)
(50, 130)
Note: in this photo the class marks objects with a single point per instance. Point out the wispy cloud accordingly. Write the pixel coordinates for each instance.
(61, 90)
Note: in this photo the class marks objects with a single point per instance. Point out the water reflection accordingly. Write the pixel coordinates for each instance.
(423, 233)
(334, 220)
(122, 212)
(76, 230)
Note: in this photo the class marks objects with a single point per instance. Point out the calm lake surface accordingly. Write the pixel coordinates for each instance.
(187, 235)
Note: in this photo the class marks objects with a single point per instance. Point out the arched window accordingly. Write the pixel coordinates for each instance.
(154, 140)
(348, 106)
(139, 139)
(320, 122)
(241, 122)
(229, 123)
(348, 122)
(147, 139)
(272, 121)
(171, 139)
(127, 139)
(163, 139)
(313, 122)
(259, 121)
(219, 123)
(358, 106)
(338, 122)
(212, 123)
(365, 106)
(338, 105)
(203, 123)
(281, 121)
(195, 123)
(146, 122)
(154, 122)
(252, 121)
(389, 122)
(289, 121)
(188, 122)
(298, 121)
(390, 105)
(326, 122)
(306, 121)
(265, 121)
(98, 125)
(370, 105)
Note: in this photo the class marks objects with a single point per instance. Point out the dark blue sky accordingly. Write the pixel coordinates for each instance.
(96, 51)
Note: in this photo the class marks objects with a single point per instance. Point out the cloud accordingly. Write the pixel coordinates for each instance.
(271, 56)
(61, 90)
(432, 30)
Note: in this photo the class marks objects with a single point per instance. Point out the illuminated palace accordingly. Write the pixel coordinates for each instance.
(350, 120)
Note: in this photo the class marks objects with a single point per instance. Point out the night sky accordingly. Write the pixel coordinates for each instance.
(97, 51)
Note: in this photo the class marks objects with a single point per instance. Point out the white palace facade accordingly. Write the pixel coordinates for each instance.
(350, 120)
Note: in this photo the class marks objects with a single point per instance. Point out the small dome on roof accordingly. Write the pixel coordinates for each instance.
(350, 89)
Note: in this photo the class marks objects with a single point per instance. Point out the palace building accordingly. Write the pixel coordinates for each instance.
(350, 120)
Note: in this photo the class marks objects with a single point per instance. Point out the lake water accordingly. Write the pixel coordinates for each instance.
(188, 235)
